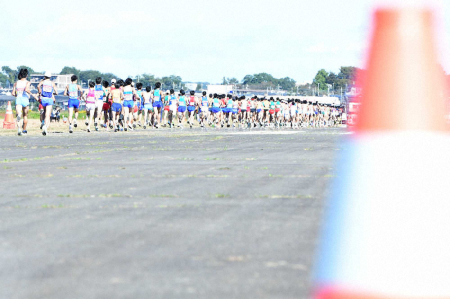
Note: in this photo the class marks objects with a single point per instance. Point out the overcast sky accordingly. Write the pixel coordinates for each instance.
(199, 40)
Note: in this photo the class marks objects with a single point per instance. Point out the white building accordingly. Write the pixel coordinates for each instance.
(60, 81)
(190, 86)
(220, 89)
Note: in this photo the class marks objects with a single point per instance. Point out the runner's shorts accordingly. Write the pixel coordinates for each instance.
(74, 103)
(90, 106)
(128, 104)
(106, 106)
(22, 101)
(157, 104)
(47, 102)
(99, 104)
(191, 108)
(182, 109)
(116, 107)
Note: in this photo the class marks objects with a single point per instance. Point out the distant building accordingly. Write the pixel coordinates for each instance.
(60, 81)
(190, 86)
(220, 89)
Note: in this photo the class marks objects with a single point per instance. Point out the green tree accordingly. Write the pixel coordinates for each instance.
(199, 87)
(321, 79)
(10, 73)
(249, 79)
(224, 81)
(3, 79)
(171, 81)
(232, 80)
(108, 76)
(30, 70)
(67, 70)
(147, 79)
(348, 73)
(89, 75)
(287, 83)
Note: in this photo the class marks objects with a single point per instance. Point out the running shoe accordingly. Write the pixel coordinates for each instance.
(89, 130)
(131, 127)
(110, 126)
(96, 128)
(145, 127)
(75, 123)
(115, 130)
(42, 124)
(134, 126)
(124, 129)
(95, 125)
(44, 130)
(70, 129)
(24, 132)
(86, 123)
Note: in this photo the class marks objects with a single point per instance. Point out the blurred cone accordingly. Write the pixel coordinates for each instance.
(387, 227)
(9, 123)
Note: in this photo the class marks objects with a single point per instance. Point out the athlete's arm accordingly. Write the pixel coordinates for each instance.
(83, 96)
(65, 91)
(14, 91)
(28, 90)
(39, 87)
(55, 91)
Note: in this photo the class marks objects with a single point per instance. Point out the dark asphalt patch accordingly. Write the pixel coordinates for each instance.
(160, 214)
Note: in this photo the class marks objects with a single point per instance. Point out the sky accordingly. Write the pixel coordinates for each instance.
(199, 40)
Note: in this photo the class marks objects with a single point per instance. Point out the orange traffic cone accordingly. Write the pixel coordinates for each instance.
(9, 122)
(387, 227)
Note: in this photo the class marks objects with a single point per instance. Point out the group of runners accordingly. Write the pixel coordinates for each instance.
(125, 105)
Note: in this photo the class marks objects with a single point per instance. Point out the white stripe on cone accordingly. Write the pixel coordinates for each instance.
(388, 224)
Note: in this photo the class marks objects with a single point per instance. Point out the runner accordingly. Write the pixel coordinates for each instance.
(116, 107)
(90, 98)
(47, 90)
(166, 109)
(181, 108)
(99, 94)
(110, 102)
(215, 109)
(191, 107)
(128, 103)
(243, 110)
(266, 104)
(260, 111)
(21, 90)
(157, 103)
(73, 91)
(204, 110)
(106, 105)
(148, 106)
(173, 102)
(139, 107)
(278, 113)
(235, 111)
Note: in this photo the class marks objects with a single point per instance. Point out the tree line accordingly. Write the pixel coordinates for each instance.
(331, 81)
(323, 80)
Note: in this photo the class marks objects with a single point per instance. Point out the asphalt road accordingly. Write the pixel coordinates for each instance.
(166, 214)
